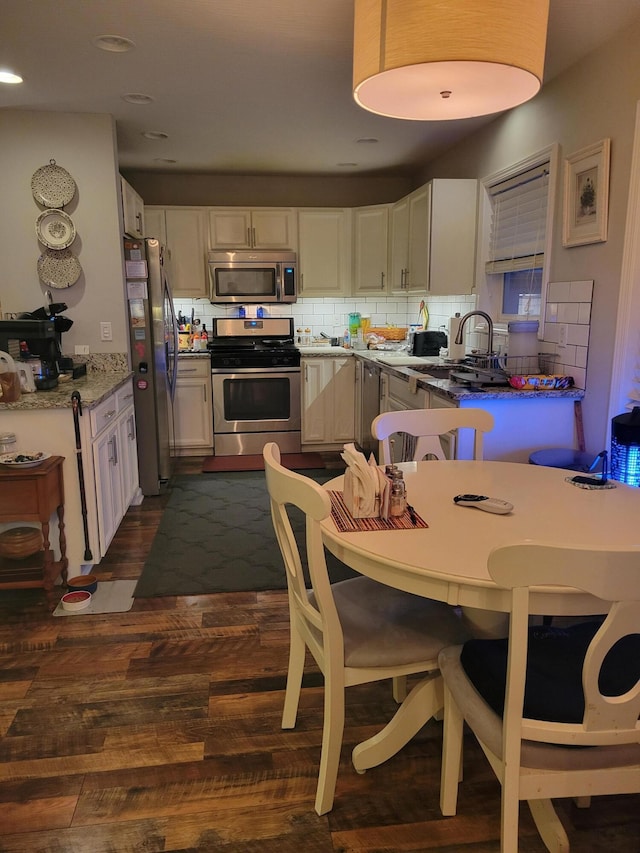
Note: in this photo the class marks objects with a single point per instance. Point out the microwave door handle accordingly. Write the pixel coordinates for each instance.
(278, 282)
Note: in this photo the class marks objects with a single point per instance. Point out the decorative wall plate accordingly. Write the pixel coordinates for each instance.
(55, 229)
(52, 186)
(58, 268)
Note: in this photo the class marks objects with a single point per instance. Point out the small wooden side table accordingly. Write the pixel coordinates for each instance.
(33, 494)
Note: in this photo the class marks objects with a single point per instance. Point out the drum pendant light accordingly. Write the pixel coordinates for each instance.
(433, 60)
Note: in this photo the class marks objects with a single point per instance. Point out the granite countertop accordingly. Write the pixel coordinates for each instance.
(93, 388)
(444, 387)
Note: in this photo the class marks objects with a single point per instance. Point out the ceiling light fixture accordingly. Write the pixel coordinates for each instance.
(136, 98)
(9, 77)
(114, 44)
(426, 61)
(368, 139)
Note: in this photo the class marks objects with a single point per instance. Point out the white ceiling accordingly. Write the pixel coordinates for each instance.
(240, 86)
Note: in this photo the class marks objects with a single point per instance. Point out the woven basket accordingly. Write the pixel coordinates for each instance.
(20, 542)
(390, 334)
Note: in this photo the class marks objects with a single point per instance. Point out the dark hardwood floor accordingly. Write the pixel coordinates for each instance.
(159, 730)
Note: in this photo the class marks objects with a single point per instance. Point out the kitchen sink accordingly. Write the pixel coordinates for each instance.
(435, 371)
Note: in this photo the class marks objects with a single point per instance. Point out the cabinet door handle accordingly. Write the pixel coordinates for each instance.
(131, 432)
(253, 237)
(249, 236)
(204, 393)
(184, 370)
(381, 281)
(113, 459)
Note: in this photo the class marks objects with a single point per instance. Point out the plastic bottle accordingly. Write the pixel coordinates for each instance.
(260, 312)
(346, 340)
(242, 311)
(204, 337)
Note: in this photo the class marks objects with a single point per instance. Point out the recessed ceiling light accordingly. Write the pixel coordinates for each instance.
(155, 134)
(367, 139)
(136, 98)
(114, 44)
(9, 77)
(167, 160)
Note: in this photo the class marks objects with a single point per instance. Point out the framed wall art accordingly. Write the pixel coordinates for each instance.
(586, 195)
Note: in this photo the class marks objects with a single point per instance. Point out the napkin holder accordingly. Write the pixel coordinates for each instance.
(353, 500)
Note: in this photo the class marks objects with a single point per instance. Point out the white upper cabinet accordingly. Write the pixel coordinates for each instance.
(155, 224)
(266, 228)
(186, 243)
(132, 210)
(370, 248)
(399, 245)
(324, 240)
(433, 238)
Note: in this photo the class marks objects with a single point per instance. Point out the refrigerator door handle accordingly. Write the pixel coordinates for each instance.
(174, 324)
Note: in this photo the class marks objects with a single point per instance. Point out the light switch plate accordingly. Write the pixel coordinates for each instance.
(106, 333)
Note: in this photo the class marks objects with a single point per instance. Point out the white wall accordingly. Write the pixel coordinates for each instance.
(84, 145)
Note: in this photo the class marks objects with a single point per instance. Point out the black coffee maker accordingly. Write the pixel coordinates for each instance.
(41, 331)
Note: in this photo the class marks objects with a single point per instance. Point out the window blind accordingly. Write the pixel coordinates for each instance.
(518, 223)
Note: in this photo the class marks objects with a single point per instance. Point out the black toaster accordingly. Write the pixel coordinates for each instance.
(428, 343)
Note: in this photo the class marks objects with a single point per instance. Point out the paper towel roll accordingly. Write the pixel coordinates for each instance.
(455, 350)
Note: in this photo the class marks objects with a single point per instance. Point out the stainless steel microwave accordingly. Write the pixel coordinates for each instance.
(246, 277)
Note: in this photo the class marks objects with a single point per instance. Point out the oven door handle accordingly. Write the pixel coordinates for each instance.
(248, 371)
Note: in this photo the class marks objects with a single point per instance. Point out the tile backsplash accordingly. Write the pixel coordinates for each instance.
(567, 309)
(331, 315)
(567, 327)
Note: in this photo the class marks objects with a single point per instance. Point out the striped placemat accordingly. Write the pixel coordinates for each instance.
(346, 523)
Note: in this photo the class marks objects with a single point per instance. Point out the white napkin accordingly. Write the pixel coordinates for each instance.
(364, 484)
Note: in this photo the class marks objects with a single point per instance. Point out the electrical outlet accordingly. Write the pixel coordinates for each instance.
(563, 332)
(106, 332)
(82, 349)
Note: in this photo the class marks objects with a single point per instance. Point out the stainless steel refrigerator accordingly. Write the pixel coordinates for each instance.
(153, 334)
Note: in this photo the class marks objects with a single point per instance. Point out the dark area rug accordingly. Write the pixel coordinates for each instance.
(255, 462)
(216, 535)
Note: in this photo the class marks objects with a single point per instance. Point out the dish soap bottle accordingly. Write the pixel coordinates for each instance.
(204, 337)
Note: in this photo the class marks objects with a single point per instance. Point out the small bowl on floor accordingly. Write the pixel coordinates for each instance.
(77, 600)
(83, 583)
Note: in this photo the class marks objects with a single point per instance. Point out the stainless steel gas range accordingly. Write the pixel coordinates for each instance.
(255, 375)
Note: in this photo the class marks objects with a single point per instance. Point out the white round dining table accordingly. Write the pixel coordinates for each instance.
(447, 560)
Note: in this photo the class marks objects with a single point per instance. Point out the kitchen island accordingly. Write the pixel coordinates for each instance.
(525, 420)
(44, 421)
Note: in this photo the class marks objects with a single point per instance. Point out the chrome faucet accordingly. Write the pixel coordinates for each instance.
(489, 325)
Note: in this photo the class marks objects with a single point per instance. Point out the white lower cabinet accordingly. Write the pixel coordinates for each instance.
(398, 395)
(328, 401)
(115, 460)
(192, 410)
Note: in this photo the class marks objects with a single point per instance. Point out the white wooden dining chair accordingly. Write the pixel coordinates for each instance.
(357, 630)
(568, 723)
(427, 426)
